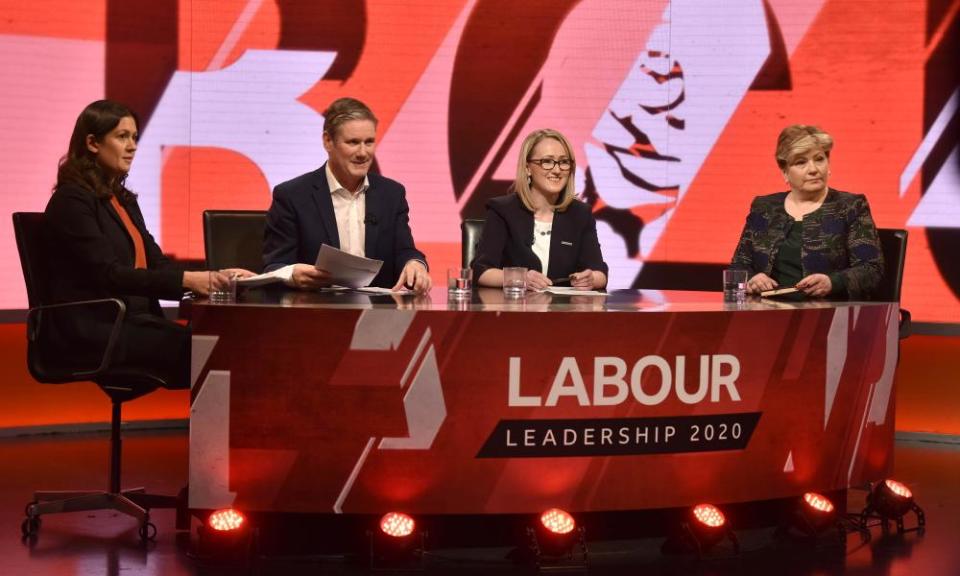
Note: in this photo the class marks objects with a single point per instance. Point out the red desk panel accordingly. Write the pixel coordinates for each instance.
(358, 404)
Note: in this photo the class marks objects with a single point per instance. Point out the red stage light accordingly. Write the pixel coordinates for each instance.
(397, 524)
(818, 502)
(898, 488)
(226, 520)
(558, 521)
(709, 515)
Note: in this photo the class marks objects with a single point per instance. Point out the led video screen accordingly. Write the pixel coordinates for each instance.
(673, 109)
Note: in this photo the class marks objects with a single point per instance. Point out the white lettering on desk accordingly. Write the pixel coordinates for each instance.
(718, 374)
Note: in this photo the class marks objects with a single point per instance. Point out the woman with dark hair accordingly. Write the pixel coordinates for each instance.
(102, 249)
(541, 226)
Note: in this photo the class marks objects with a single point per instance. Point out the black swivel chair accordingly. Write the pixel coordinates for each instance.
(893, 243)
(470, 231)
(234, 239)
(50, 362)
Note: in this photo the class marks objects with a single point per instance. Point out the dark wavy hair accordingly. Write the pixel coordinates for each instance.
(79, 166)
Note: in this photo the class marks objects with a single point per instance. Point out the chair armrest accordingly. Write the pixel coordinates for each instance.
(904, 323)
(42, 334)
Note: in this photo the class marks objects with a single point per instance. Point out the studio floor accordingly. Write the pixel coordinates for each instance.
(104, 543)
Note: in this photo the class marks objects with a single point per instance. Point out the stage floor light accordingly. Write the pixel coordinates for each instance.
(397, 524)
(226, 520)
(396, 544)
(891, 500)
(702, 527)
(555, 541)
(226, 537)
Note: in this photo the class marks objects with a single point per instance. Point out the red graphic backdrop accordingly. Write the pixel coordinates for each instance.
(673, 108)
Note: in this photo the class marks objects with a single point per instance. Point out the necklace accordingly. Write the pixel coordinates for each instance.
(542, 228)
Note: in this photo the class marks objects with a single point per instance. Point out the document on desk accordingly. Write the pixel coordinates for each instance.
(347, 269)
(378, 290)
(278, 275)
(570, 291)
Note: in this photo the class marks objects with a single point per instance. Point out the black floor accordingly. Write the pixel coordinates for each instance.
(105, 543)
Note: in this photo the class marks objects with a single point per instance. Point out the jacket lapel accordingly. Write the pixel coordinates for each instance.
(374, 219)
(321, 195)
(561, 241)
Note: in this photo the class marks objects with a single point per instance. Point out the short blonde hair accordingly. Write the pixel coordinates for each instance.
(522, 184)
(798, 139)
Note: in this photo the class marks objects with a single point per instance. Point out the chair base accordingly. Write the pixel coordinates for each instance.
(134, 502)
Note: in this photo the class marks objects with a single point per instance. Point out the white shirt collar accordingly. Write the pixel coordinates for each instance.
(335, 185)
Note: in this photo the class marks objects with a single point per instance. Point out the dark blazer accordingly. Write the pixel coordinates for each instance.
(94, 256)
(839, 239)
(301, 218)
(507, 239)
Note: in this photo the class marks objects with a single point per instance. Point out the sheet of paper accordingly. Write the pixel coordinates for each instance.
(569, 291)
(346, 269)
(778, 292)
(378, 290)
(263, 279)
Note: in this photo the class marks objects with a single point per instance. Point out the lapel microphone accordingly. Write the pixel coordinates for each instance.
(370, 219)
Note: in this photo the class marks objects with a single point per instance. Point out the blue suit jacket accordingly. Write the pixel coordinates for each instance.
(301, 218)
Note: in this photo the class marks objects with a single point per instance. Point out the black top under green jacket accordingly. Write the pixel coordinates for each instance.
(839, 239)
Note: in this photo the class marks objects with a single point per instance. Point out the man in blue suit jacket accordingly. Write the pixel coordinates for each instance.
(343, 205)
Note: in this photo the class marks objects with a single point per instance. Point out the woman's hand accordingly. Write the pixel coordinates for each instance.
(815, 285)
(588, 279)
(537, 281)
(237, 273)
(760, 283)
(202, 281)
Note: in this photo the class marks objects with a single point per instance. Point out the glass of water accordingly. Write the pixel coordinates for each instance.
(459, 281)
(514, 281)
(734, 285)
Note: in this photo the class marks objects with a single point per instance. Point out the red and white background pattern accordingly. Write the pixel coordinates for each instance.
(673, 108)
(489, 412)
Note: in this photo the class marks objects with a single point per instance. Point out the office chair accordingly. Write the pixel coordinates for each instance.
(893, 243)
(50, 361)
(234, 239)
(470, 231)
(695, 276)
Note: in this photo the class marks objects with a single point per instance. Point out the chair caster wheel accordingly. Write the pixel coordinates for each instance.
(148, 532)
(30, 526)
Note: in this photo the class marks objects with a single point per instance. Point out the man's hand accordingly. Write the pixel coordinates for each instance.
(414, 276)
(307, 277)
(815, 285)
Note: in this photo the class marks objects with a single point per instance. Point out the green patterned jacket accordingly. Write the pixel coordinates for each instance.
(839, 239)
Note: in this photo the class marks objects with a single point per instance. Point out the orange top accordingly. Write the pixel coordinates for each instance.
(140, 255)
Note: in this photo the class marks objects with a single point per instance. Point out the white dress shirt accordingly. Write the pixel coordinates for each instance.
(350, 209)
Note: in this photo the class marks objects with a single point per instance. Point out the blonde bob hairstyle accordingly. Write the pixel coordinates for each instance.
(522, 184)
(799, 139)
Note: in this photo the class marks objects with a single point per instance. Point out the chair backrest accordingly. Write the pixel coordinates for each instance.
(470, 231)
(33, 244)
(893, 242)
(234, 239)
(696, 276)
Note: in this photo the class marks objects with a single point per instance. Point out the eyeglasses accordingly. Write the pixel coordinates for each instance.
(548, 163)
